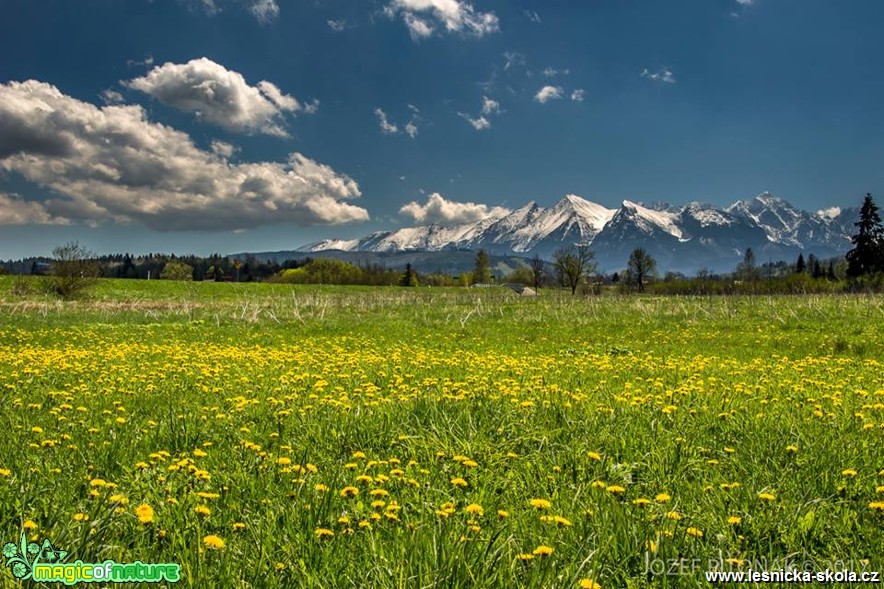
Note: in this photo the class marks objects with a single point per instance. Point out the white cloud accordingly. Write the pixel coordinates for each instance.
(387, 127)
(454, 15)
(207, 6)
(440, 210)
(111, 96)
(745, 2)
(548, 93)
(512, 59)
(533, 16)
(265, 11)
(111, 164)
(479, 124)
(337, 25)
(219, 96)
(664, 75)
(223, 149)
(552, 72)
(490, 106)
(418, 28)
(16, 211)
(578, 95)
(311, 107)
(148, 61)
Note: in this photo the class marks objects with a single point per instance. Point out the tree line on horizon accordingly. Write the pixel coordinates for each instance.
(72, 268)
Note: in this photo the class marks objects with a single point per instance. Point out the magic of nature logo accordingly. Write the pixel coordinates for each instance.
(45, 563)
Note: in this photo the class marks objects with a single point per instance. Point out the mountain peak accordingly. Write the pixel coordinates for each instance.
(769, 199)
(684, 237)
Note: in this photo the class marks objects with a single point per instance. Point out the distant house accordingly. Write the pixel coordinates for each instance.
(521, 289)
(517, 287)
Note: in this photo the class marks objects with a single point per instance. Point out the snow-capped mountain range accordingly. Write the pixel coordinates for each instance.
(684, 238)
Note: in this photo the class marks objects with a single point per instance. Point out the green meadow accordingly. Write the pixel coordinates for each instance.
(298, 436)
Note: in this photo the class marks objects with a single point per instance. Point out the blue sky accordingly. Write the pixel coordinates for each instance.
(231, 125)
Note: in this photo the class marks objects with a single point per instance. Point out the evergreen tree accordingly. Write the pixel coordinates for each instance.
(409, 278)
(800, 266)
(867, 255)
(747, 270)
(482, 271)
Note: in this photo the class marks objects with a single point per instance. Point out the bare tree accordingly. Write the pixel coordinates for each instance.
(538, 271)
(573, 264)
(74, 269)
(639, 268)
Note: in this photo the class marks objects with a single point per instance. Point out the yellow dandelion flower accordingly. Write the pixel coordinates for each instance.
(734, 520)
(588, 584)
(280, 566)
(767, 496)
(29, 525)
(458, 482)
(81, 517)
(543, 550)
(641, 502)
(792, 448)
(502, 513)
(349, 492)
(474, 509)
(144, 513)
(663, 498)
(695, 532)
(674, 515)
(525, 556)
(615, 489)
(5, 472)
(540, 504)
(238, 526)
(213, 542)
(849, 473)
(202, 510)
(877, 505)
(594, 456)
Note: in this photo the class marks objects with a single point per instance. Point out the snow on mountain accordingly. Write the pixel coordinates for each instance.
(649, 219)
(683, 238)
